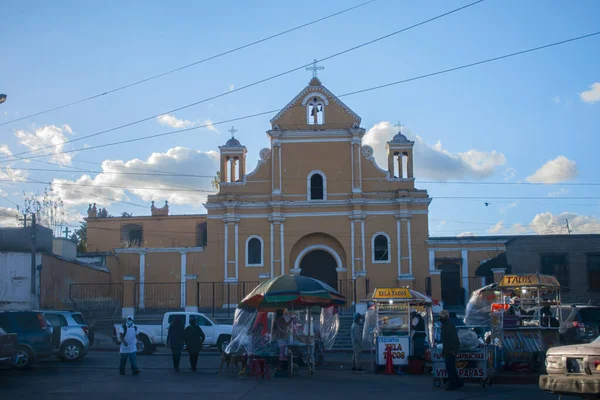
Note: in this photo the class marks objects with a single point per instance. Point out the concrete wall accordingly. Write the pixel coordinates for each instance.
(64, 248)
(15, 280)
(19, 239)
(524, 255)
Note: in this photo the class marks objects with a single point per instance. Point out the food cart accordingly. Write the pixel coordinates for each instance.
(387, 323)
(525, 319)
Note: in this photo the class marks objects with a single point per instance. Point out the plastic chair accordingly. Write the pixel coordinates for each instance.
(259, 367)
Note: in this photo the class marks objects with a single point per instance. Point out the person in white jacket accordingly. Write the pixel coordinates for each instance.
(356, 334)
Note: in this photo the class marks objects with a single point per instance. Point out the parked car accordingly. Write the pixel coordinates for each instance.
(35, 337)
(74, 335)
(580, 324)
(8, 348)
(573, 370)
(152, 336)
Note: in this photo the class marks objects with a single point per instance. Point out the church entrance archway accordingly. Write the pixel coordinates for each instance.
(319, 263)
(451, 287)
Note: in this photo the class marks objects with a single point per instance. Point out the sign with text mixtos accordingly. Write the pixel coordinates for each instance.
(400, 349)
(392, 293)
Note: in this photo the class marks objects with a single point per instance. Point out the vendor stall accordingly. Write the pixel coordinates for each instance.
(525, 319)
(388, 324)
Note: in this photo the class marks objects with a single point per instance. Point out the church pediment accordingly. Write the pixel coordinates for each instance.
(315, 108)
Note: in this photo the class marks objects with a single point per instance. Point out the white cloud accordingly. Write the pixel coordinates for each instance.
(5, 150)
(592, 95)
(49, 135)
(497, 228)
(466, 234)
(504, 209)
(15, 175)
(174, 122)
(560, 169)
(178, 160)
(433, 161)
(8, 217)
(548, 223)
(509, 173)
(556, 100)
(559, 193)
(231, 87)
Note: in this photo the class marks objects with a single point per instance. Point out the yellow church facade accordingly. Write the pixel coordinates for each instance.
(317, 204)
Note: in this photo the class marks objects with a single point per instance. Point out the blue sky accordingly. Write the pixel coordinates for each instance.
(493, 121)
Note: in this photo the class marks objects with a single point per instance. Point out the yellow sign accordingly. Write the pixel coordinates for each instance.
(528, 280)
(392, 293)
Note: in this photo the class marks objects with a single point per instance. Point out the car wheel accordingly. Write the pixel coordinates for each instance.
(144, 346)
(71, 351)
(25, 357)
(223, 342)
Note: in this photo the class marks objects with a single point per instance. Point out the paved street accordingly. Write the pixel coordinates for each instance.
(97, 377)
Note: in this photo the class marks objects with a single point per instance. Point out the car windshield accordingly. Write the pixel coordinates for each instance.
(590, 314)
(79, 319)
(597, 341)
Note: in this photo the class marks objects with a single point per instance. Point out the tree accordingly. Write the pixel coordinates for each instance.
(216, 180)
(48, 208)
(125, 214)
(80, 236)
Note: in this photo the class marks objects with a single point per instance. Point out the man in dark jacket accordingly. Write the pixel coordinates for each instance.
(175, 339)
(194, 338)
(451, 346)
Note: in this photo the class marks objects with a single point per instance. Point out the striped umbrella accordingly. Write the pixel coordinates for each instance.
(291, 292)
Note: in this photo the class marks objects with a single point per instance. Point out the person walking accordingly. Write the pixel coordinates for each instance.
(194, 338)
(128, 349)
(356, 334)
(175, 339)
(451, 346)
(418, 334)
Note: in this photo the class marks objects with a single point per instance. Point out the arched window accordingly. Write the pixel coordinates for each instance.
(254, 251)
(381, 248)
(316, 186)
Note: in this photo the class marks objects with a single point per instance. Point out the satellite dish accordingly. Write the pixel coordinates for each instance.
(2, 98)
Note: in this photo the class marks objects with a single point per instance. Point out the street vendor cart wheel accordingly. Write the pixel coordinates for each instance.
(437, 383)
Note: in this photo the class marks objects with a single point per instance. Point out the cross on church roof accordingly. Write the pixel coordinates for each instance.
(233, 131)
(315, 68)
(399, 126)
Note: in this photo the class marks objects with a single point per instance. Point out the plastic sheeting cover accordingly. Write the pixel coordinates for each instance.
(479, 309)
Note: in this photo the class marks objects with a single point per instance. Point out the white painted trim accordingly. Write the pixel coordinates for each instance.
(316, 140)
(318, 203)
(282, 255)
(466, 241)
(142, 278)
(308, 189)
(352, 247)
(431, 260)
(139, 250)
(272, 249)
(438, 272)
(308, 249)
(362, 238)
(498, 270)
(399, 245)
(315, 94)
(225, 245)
(262, 251)
(183, 279)
(465, 273)
(264, 275)
(191, 277)
(410, 271)
(468, 249)
(237, 248)
(129, 278)
(389, 248)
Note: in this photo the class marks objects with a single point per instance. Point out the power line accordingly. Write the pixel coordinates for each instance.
(277, 110)
(254, 83)
(188, 65)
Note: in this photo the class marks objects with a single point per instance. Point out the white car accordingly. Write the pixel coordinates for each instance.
(152, 336)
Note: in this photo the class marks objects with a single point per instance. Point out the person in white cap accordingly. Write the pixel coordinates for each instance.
(128, 335)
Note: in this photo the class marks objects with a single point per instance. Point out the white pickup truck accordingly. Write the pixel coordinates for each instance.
(152, 336)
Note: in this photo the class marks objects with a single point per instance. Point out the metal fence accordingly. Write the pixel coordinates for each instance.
(347, 288)
(221, 298)
(157, 297)
(97, 300)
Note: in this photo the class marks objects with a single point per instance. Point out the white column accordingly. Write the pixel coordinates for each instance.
(225, 249)
(398, 244)
(409, 249)
(142, 277)
(183, 282)
(272, 251)
(236, 251)
(431, 260)
(352, 255)
(281, 255)
(465, 273)
(362, 236)
(280, 181)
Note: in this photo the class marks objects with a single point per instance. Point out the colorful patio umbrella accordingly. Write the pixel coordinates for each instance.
(291, 292)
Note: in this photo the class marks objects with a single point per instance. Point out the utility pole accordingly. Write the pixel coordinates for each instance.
(569, 230)
(33, 258)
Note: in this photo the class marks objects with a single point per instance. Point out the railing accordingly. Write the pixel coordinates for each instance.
(347, 288)
(97, 300)
(153, 298)
(221, 298)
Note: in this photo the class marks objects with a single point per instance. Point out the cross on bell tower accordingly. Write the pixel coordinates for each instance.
(232, 131)
(315, 68)
(399, 126)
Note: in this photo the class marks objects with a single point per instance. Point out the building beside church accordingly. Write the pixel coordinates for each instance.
(317, 204)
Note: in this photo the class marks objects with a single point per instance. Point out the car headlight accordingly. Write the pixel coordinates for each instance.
(554, 363)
